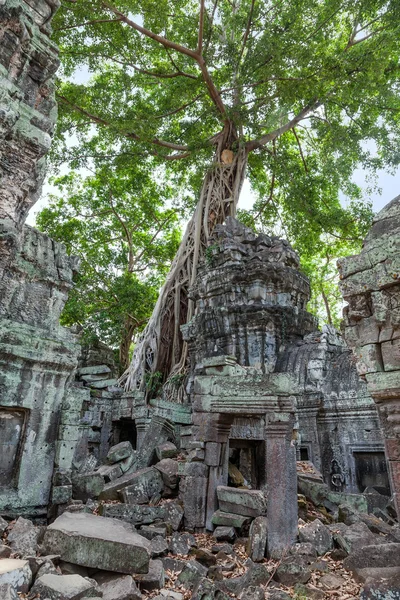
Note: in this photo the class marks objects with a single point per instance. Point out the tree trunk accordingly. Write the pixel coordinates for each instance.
(126, 341)
(160, 347)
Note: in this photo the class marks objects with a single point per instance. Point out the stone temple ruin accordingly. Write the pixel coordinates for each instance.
(275, 407)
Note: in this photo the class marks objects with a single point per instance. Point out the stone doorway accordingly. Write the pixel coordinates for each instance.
(125, 431)
(11, 432)
(245, 459)
(371, 470)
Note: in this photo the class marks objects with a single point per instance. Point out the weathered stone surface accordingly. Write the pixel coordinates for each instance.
(87, 485)
(166, 450)
(204, 556)
(117, 587)
(257, 543)
(224, 534)
(292, 570)
(8, 592)
(376, 556)
(191, 574)
(169, 471)
(159, 546)
(253, 593)
(15, 573)
(317, 534)
(152, 531)
(3, 525)
(93, 370)
(64, 587)
(229, 519)
(381, 588)
(257, 574)
(170, 512)
(250, 503)
(304, 549)
(99, 543)
(154, 579)
(119, 452)
(355, 536)
(331, 581)
(5, 551)
(110, 472)
(307, 592)
(181, 543)
(144, 484)
(23, 537)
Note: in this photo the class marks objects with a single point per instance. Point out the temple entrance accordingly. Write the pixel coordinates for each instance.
(371, 470)
(125, 431)
(245, 458)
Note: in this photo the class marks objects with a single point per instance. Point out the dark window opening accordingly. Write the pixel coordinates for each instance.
(371, 470)
(304, 454)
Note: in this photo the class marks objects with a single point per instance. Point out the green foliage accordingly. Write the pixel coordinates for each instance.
(310, 87)
(116, 224)
(153, 383)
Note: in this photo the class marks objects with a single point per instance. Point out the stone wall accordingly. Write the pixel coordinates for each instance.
(37, 356)
(370, 284)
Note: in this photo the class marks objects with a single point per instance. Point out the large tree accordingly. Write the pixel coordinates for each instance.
(204, 94)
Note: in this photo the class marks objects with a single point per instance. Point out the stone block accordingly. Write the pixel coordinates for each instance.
(159, 546)
(144, 485)
(318, 535)
(114, 586)
(193, 491)
(110, 472)
(355, 536)
(181, 543)
(103, 384)
(24, 537)
(154, 579)
(391, 355)
(373, 556)
(95, 370)
(166, 450)
(213, 454)
(3, 525)
(87, 485)
(169, 471)
(292, 570)
(61, 494)
(229, 519)
(191, 574)
(98, 542)
(251, 503)
(64, 587)
(152, 531)
(170, 513)
(224, 534)
(16, 573)
(257, 543)
(369, 359)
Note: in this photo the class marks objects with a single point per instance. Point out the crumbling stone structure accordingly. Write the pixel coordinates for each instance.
(370, 284)
(37, 356)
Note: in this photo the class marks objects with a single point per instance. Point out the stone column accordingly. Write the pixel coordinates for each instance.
(142, 424)
(282, 487)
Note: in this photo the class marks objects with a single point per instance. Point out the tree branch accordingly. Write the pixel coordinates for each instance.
(254, 144)
(94, 22)
(129, 135)
(201, 29)
(300, 149)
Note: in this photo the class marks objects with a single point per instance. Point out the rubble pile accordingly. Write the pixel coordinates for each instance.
(136, 548)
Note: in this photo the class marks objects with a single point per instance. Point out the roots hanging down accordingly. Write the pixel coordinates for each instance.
(160, 348)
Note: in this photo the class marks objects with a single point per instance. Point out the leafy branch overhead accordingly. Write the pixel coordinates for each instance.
(200, 95)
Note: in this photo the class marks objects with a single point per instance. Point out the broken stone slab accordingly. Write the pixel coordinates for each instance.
(181, 543)
(304, 549)
(91, 541)
(257, 574)
(292, 570)
(103, 384)
(111, 490)
(169, 471)
(229, 519)
(354, 536)
(317, 534)
(145, 484)
(96, 370)
(176, 565)
(332, 581)
(86, 486)
(110, 472)
(159, 546)
(63, 587)
(16, 573)
(170, 594)
(321, 495)
(308, 592)
(204, 556)
(8, 592)
(152, 531)
(224, 534)
(253, 593)
(251, 503)
(24, 537)
(191, 574)
(374, 556)
(154, 579)
(170, 513)
(119, 452)
(117, 587)
(363, 575)
(166, 450)
(257, 542)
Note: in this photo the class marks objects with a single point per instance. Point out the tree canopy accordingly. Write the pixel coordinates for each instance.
(293, 95)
